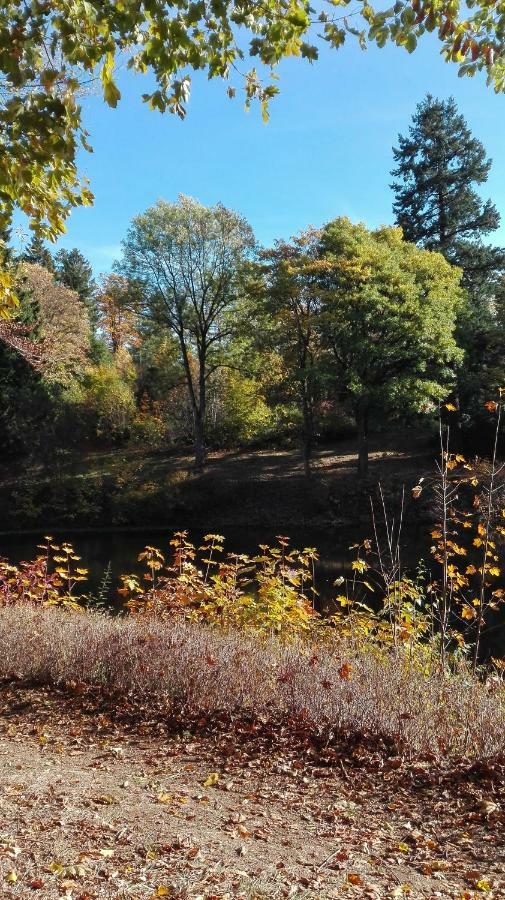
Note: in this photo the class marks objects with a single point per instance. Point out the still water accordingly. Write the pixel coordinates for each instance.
(118, 550)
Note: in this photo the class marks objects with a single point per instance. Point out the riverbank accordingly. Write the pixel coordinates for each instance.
(264, 489)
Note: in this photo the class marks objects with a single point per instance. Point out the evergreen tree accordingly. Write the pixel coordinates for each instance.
(75, 272)
(36, 252)
(438, 166)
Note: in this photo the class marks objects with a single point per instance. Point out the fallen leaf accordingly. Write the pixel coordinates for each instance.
(211, 779)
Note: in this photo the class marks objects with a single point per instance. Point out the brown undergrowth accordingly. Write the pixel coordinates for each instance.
(196, 673)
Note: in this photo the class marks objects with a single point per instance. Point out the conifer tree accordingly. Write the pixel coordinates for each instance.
(38, 254)
(74, 271)
(439, 164)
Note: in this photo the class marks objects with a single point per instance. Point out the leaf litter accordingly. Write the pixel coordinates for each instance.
(120, 805)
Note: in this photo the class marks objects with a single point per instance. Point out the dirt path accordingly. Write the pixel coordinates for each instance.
(92, 809)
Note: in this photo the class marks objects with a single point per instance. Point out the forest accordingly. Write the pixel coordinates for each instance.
(201, 338)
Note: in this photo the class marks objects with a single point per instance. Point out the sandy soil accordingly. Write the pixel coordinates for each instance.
(93, 806)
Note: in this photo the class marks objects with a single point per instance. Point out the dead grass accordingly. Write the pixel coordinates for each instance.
(334, 691)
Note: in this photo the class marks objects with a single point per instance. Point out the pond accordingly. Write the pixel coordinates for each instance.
(118, 550)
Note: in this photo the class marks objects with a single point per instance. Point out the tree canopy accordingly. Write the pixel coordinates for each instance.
(388, 317)
(187, 259)
(49, 50)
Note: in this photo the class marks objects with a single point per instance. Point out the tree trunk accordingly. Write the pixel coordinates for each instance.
(200, 414)
(308, 433)
(362, 421)
(199, 440)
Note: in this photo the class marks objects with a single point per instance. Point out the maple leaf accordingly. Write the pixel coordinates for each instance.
(345, 670)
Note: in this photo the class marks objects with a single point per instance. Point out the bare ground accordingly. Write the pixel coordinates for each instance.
(96, 805)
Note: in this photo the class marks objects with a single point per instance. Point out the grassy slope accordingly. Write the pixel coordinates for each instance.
(247, 488)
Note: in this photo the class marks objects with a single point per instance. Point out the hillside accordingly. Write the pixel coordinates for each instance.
(253, 488)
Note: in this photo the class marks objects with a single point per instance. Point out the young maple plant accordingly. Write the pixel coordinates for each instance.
(470, 500)
(271, 592)
(50, 579)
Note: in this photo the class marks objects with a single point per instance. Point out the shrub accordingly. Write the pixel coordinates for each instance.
(48, 580)
(268, 592)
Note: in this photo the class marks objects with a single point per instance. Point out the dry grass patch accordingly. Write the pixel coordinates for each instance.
(334, 690)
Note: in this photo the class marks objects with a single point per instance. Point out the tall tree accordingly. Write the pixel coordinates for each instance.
(388, 318)
(64, 326)
(118, 304)
(188, 259)
(74, 271)
(293, 294)
(38, 254)
(439, 164)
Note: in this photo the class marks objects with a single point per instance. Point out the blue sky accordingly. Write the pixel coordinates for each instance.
(325, 152)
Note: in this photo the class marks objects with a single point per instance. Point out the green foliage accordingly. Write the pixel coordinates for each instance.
(388, 312)
(48, 51)
(75, 272)
(440, 167)
(37, 253)
(438, 164)
(110, 403)
(188, 259)
(292, 287)
(239, 413)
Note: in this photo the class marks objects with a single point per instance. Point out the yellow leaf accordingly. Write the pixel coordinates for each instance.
(11, 877)
(162, 891)
(404, 848)
(450, 407)
(211, 779)
(164, 798)
(483, 885)
(468, 613)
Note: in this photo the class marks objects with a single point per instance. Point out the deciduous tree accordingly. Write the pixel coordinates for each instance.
(118, 305)
(64, 325)
(293, 286)
(188, 260)
(388, 318)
